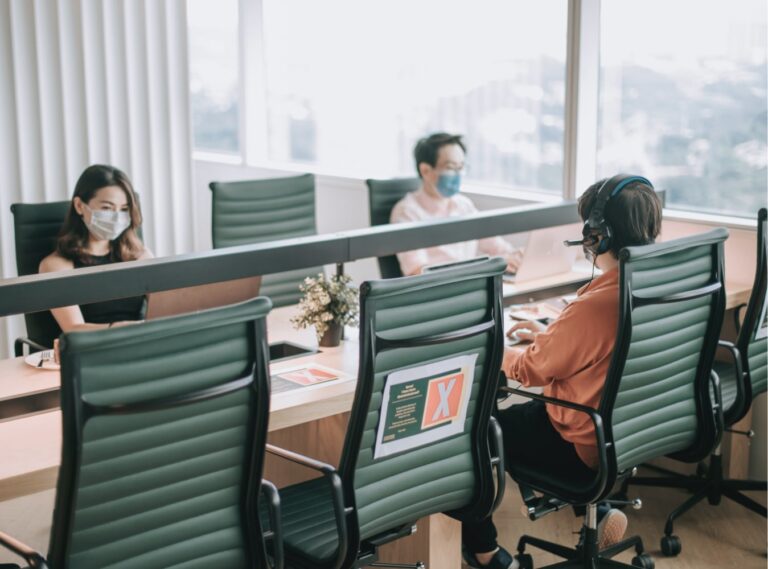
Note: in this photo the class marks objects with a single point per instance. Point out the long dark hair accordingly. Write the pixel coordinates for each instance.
(73, 238)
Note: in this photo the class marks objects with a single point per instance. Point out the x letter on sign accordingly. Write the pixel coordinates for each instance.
(443, 410)
(443, 399)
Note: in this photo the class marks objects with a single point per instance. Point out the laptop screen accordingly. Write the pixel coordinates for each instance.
(202, 297)
(545, 255)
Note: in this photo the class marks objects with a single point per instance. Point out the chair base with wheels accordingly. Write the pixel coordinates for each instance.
(708, 484)
(587, 555)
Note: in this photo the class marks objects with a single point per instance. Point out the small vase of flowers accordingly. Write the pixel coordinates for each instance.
(328, 305)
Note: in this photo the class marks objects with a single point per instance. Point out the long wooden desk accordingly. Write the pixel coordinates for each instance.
(288, 409)
(736, 292)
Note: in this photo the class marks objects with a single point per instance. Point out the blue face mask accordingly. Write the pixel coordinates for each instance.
(449, 184)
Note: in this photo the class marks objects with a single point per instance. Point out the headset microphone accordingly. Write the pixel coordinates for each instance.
(575, 243)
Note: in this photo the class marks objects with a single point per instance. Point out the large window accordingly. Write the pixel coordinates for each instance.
(347, 87)
(352, 85)
(214, 74)
(683, 100)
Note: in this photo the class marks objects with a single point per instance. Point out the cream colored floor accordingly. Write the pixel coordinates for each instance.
(727, 536)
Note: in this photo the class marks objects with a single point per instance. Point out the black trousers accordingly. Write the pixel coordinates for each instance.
(529, 437)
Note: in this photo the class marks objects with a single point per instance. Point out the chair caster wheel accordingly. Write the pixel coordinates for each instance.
(644, 561)
(670, 545)
(524, 560)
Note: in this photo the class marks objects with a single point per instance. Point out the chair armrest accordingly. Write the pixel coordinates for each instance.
(337, 493)
(35, 559)
(275, 522)
(593, 414)
(737, 363)
(714, 379)
(18, 346)
(734, 352)
(596, 418)
(497, 460)
(736, 313)
(736, 355)
(298, 458)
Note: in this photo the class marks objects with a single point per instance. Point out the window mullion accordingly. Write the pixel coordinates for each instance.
(253, 85)
(581, 97)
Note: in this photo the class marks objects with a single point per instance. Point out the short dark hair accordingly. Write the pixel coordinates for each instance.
(428, 147)
(634, 214)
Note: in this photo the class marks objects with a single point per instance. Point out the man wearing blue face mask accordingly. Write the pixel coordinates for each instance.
(440, 164)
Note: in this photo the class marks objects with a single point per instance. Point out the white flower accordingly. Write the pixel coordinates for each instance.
(326, 300)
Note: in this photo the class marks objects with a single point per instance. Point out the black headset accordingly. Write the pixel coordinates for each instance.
(597, 232)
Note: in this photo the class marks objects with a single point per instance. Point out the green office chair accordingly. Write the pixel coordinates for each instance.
(656, 399)
(256, 211)
(382, 197)
(341, 519)
(36, 227)
(164, 426)
(741, 380)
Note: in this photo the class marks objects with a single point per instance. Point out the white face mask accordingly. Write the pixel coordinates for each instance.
(107, 225)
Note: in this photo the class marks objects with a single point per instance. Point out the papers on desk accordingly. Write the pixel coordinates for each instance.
(42, 360)
(568, 298)
(305, 375)
(542, 311)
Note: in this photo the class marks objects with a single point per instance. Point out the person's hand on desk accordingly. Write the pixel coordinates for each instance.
(122, 323)
(87, 326)
(513, 261)
(525, 330)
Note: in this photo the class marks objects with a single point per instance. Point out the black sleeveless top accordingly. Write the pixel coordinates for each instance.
(132, 308)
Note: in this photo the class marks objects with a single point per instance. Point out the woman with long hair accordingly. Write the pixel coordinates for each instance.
(100, 228)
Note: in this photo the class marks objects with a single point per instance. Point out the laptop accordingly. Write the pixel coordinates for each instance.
(545, 255)
(201, 297)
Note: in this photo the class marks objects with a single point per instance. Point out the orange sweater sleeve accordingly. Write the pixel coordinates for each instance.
(560, 352)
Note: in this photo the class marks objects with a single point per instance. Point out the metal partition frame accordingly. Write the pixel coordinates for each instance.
(95, 284)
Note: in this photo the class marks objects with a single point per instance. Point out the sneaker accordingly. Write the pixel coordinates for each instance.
(611, 528)
(502, 560)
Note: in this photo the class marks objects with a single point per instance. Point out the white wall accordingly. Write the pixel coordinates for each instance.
(92, 81)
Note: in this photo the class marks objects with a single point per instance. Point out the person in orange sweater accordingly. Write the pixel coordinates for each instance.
(570, 359)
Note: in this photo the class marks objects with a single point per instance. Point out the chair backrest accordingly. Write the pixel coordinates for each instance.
(406, 324)
(255, 211)
(164, 427)
(382, 197)
(656, 399)
(36, 227)
(752, 342)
